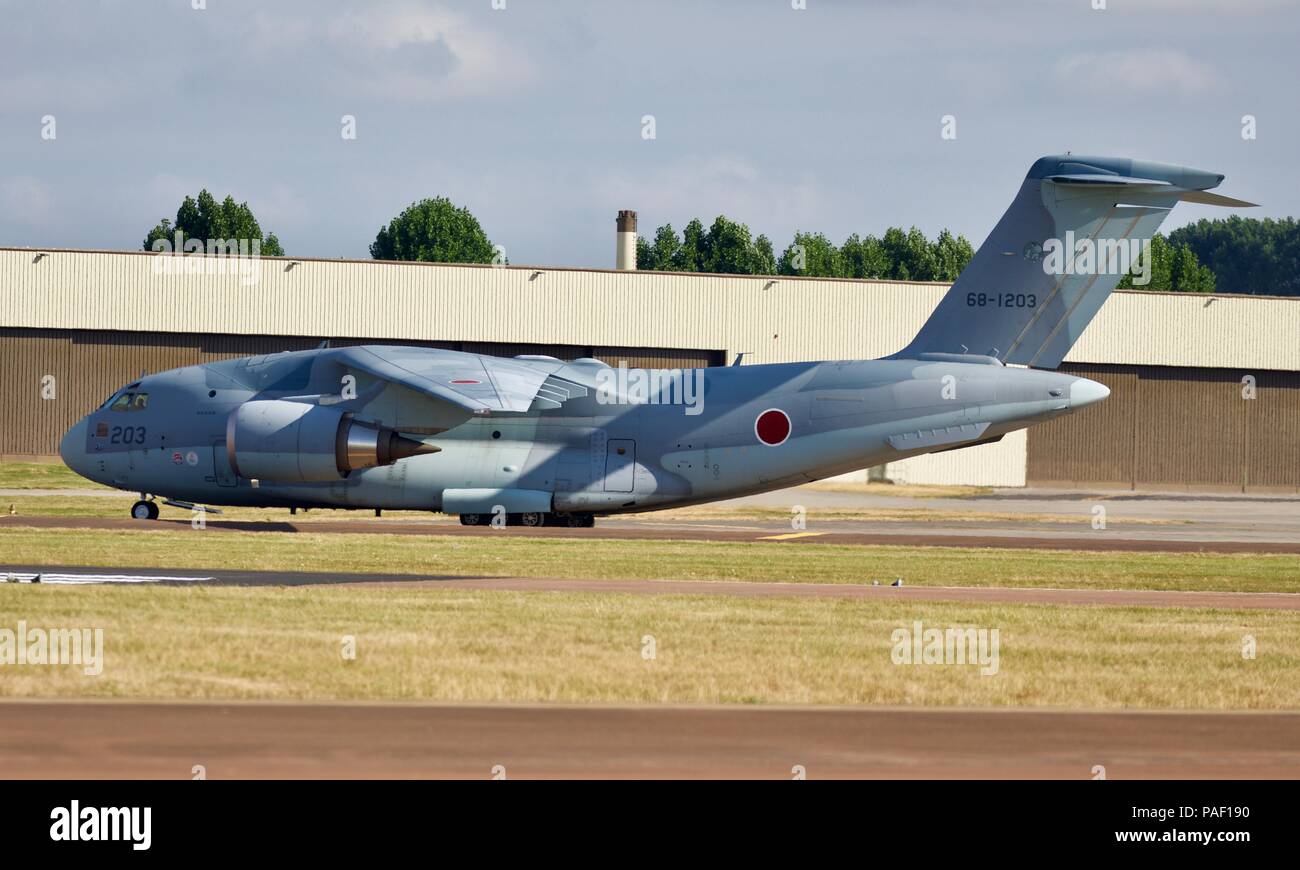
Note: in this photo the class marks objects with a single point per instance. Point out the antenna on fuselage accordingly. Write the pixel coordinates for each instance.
(740, 358)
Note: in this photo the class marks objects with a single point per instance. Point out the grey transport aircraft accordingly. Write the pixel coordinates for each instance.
(535, 440)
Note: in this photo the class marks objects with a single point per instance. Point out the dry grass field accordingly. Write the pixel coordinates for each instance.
(430, 644)
(455, 645)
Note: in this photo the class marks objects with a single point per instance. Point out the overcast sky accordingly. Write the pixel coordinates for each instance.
(826, 118)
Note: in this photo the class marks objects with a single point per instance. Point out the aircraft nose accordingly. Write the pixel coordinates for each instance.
(1084, 392)
(73, 449)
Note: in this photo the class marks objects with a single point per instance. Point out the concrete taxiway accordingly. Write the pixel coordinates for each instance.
(929, 534)
(1004, 518)
(87, 575)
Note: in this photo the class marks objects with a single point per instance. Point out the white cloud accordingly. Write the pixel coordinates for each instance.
(26, 201)
(63, 90)
(1117, 73)
(414, 52)
(705, 187)
(279, 205)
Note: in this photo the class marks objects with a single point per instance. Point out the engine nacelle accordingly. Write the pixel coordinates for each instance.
(291, 442)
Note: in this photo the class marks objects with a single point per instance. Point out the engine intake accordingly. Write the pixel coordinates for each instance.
(290, 442)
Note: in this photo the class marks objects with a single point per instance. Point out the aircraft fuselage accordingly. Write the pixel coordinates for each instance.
(603, 446)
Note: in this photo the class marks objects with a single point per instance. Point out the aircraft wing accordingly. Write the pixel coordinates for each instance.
(479, 384)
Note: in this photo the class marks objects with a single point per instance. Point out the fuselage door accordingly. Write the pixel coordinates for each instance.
(620, 465)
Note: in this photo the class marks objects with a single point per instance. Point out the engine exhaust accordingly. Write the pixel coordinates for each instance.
(364, 445)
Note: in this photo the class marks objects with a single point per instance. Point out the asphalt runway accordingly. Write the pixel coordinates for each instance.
(936, 533)
(86, 575)
(266, 741)
(1034, 518)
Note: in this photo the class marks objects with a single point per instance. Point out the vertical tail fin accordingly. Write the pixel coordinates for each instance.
(1071, 234)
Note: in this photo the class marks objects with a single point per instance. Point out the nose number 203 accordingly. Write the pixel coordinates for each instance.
(126, 435)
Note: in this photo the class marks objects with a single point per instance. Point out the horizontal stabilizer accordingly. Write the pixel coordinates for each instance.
(1188, 191)
(1206, 198)
(1112, 180)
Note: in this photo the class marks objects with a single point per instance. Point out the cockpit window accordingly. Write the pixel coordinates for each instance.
(130, 402)
(121, 400)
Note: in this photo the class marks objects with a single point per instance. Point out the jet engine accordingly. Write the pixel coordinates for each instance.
(291, 442)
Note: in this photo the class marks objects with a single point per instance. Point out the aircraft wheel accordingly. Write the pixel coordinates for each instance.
(588, 521)
(471, 519)
(532, 519)
(578, 521)
(144, 510)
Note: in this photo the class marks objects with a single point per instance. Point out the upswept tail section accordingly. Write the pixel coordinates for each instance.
(1072, 233)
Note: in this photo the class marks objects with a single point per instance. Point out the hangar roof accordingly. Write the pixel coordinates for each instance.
(774, 319)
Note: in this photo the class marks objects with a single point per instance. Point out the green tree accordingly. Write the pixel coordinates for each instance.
(1159, 268)
(812, 254)
(1174, 267)
(1162, 265)
(689, 257)
(205, 220)
(1187, 274)
(951, 254)
(918, 256)
(644, 254)
(907, 256)
(724, 248)
(660, 256)
(1247, 255)
(729, 249)
(764, 257)
(864, 258)
(433, 231)
(893, 245)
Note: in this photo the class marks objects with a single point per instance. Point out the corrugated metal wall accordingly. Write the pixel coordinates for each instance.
(1272, 436)
(88, 366)
(1189, 428)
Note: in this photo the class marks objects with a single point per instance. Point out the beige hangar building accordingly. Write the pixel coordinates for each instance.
(1205, 390)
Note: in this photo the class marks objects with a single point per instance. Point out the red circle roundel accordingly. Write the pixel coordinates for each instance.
(772, 427)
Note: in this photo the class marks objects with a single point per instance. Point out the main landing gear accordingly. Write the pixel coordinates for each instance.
(568, 521)
(144, 509)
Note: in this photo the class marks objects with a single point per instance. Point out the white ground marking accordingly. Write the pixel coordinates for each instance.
(84, 579)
